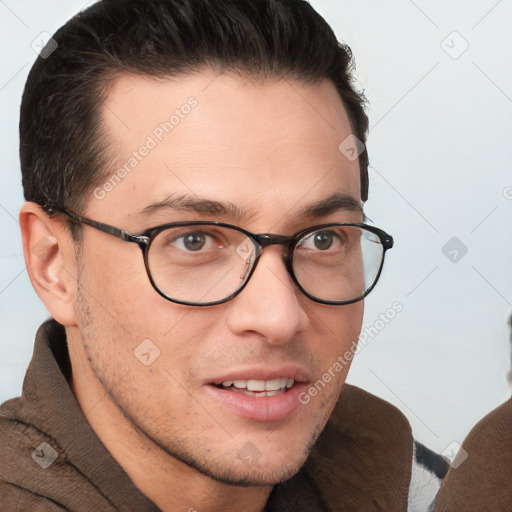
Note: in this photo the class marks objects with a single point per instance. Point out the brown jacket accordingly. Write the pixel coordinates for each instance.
(483, 481)
(51, 460)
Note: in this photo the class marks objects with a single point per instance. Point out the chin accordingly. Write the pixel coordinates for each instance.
(257, 476)
(246, 465)
(278, 461)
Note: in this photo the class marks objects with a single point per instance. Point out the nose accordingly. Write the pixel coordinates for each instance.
(269, 305)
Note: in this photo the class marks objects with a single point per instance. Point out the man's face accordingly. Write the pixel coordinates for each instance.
(270, 150)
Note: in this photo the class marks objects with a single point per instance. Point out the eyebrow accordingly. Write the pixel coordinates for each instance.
(335, 203)
(192, 204)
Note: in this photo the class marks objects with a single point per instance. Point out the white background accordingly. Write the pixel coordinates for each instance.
(441, 150)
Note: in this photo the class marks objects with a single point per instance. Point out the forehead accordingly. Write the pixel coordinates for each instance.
(268, 147)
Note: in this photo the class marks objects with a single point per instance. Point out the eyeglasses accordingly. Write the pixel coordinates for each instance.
(208, 263)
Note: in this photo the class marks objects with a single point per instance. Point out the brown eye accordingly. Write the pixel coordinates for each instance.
(194, 241)
(323, 240)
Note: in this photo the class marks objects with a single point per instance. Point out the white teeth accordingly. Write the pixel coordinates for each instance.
(255, 385)
(261, 385)
(274, 393)
(272, 385)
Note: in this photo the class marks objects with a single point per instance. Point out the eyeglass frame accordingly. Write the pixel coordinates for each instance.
(260, 240)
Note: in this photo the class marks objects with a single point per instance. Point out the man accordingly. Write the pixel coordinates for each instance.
(194, 174)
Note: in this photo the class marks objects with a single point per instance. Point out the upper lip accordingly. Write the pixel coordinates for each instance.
(289, 371)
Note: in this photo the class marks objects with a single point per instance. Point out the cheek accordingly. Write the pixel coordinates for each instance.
(112, 267)
(337, 331)
(127, 324)
(117, 287)
(338, 326)
(120, 315)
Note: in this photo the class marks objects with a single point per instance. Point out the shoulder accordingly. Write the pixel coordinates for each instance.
(365, 452)
(480, 474)
(496, 424)
(371, 431)
(18, 460)
(357, 408)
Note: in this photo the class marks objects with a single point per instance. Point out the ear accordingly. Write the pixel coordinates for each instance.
(51, 261)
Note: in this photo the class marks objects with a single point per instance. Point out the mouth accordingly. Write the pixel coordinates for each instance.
(259, 395)
(259, 388)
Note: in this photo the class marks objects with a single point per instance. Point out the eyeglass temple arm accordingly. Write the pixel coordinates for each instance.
(106, 228)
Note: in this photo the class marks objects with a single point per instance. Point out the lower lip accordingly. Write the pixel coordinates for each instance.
(265, 408)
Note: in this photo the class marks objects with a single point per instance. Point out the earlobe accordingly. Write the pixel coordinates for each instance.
(50, 260)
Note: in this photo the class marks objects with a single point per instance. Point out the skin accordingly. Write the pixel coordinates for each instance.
(271, 149)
